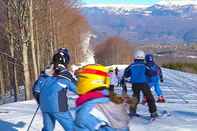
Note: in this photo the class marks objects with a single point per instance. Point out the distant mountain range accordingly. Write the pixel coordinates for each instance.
(165, 22)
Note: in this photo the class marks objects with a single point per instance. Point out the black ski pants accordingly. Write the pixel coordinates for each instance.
(147, 93)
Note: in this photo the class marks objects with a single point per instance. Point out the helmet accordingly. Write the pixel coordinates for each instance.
(61, 57)
(64, 50)
(139, 55)
(91, 77)
(149, 58)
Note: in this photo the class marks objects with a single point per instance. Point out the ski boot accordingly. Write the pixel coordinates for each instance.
(153, 116)
(161, 99)
(132, 112)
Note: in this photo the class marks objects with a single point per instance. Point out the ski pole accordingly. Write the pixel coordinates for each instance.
(33, 117)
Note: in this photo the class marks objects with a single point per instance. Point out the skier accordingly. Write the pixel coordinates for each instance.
(50, 92)
(156, 78)
(113, 79)
(138, 73)
(117, 73)
(97, 110)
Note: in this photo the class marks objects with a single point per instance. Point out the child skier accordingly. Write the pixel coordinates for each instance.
(138, 73)
(50, 92)
(97, 110)
(154, 80)
(113, 79)
(118, 76)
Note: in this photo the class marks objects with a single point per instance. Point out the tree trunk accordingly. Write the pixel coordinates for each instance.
(2, 86)
(12, 50)
(32, 39)
(26, 72)
(52, 36)
(37, 46)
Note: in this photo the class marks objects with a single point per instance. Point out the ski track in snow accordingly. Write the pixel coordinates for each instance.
(180, 91)
(178, 88)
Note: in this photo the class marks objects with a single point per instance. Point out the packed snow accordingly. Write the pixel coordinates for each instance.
(180, 90)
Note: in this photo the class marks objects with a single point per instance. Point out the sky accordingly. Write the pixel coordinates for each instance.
(120, 1)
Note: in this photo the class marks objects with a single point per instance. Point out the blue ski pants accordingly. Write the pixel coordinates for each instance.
(64, 118)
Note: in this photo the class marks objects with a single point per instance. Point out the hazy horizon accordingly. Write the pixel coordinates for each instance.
(120, 1)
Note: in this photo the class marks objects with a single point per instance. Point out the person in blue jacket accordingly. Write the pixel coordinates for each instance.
(50, 91)
(139, 73)
(156, 78)
(97, 110)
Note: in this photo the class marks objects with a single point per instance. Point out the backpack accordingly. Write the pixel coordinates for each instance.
(154, 70)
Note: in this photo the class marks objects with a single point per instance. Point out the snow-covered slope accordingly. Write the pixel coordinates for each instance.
(180, 90)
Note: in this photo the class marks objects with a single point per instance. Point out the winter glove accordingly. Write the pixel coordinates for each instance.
(115, 98)
(161, 81)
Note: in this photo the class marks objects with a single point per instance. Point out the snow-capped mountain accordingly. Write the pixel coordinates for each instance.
(166, 22)
(162, 5)
(120, 8)
(177, 2)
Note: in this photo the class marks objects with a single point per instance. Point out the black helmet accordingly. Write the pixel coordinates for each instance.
(61, 57)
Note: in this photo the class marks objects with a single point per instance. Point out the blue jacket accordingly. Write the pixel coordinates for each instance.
(86, 122)
(156, 73)
(52, 91)
(138, 72)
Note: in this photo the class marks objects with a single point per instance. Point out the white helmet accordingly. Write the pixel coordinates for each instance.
(139, 55)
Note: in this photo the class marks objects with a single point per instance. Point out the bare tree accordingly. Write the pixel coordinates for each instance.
(114, 51)
(31, 31)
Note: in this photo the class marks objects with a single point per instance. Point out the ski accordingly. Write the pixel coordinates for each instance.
(148, 119)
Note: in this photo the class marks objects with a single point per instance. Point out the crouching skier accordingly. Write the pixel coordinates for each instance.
(96, 109)
(50, 91)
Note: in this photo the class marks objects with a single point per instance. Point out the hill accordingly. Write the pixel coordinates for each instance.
(164, 22)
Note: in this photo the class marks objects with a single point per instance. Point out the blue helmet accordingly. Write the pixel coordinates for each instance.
(61, 57)
(149, 58)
